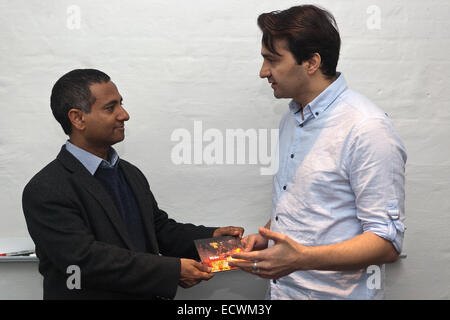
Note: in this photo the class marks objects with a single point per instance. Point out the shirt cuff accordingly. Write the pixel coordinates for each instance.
(392, 230)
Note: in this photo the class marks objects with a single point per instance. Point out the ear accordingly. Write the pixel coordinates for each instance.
(76, 117)
(313, 63)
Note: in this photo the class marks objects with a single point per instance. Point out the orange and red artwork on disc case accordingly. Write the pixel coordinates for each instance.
(216, 252)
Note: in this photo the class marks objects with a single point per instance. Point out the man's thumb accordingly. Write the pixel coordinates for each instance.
(269, 234)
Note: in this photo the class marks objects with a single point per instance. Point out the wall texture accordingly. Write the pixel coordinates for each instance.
(177, 62)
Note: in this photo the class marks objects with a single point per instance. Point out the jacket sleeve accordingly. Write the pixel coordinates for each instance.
(63, 237)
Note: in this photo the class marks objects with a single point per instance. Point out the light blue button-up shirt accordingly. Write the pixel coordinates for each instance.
(341, 173)
(90, 161)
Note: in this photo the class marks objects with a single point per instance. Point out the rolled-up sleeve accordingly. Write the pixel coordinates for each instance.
(376, 166)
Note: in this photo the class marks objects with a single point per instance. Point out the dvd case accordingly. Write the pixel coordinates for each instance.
(216, 252)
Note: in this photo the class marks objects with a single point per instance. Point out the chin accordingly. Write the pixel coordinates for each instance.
(278, 95)
(281, 95)
(117, 140)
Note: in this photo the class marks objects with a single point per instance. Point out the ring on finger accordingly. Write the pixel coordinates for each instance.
(255, 267)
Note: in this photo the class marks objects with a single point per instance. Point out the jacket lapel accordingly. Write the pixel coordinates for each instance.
(144, 203)
(86, 181)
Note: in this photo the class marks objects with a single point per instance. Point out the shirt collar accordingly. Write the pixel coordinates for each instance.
(321, 102)
(91, 161)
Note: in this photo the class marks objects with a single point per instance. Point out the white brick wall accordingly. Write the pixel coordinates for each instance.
(179, 61)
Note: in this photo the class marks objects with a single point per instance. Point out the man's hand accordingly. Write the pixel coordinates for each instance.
(287, 256)
(254, 242)
(229, 231)
(283, 258)
(193, 272)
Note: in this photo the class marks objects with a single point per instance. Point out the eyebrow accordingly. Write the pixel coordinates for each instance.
(269, 55)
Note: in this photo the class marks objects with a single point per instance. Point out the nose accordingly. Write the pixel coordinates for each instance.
(123, 114)
(265, 71)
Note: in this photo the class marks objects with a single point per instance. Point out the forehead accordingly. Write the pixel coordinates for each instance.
(280, 46)
(104, 92)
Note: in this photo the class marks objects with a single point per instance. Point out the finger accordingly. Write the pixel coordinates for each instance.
(202, 267)
(241, 264)
(249, 270)
(262, 269)
(207, 276)
(200, 275)
(236, 231)
(247, 266)
(253, 255)
(249, 246)
(248, 243)
(210, 275)
(269, 234)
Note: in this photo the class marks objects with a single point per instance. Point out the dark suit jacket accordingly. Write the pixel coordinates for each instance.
(73, 221)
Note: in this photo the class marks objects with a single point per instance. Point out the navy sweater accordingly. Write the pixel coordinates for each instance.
(118, 188)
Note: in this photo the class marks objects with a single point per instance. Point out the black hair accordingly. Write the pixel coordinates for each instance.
(71, 91)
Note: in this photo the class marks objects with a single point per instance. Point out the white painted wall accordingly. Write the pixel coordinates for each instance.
(176, 62)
